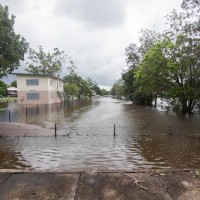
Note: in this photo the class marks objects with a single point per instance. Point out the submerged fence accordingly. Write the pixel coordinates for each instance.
(29, 130)
(22, 113)
(50, 116)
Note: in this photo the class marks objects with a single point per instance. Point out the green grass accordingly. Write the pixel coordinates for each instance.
(7, 99)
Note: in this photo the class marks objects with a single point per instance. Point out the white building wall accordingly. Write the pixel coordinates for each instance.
(48, 92)
(21, 83)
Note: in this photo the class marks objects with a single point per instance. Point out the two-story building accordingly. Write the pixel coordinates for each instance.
(39, 89)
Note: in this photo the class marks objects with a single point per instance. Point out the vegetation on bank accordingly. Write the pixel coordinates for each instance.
(166, 64)
(7, 99)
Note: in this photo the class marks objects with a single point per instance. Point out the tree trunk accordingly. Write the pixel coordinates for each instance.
(155, 103)
(186, 108)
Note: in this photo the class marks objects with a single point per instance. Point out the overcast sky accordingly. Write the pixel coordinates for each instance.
(94, 33)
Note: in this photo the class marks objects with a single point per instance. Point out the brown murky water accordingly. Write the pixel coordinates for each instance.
(142, 137)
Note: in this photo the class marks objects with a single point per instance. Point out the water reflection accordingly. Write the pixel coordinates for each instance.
(142, 137)
(10, 155)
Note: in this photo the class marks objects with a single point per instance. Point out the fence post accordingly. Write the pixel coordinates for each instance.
(170, 128)
(37, 109)
(26, 113)
(9, 115)
(55, 130)
(114, 129)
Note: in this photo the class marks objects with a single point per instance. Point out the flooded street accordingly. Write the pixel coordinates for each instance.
(145, 137)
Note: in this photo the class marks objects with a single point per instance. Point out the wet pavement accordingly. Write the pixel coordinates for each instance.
(97, 185)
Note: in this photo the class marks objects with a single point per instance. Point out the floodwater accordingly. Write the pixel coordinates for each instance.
(145, 138)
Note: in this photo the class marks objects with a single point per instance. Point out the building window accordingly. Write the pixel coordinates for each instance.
(33, 96)
(32, 82)
(51, 82)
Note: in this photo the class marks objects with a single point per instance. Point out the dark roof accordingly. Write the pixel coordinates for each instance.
(38, 75)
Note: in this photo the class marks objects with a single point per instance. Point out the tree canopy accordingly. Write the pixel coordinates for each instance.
(48, 63)
(117, 89)
(75, 85)
(13, 83)
(168, 64)
(12, 45)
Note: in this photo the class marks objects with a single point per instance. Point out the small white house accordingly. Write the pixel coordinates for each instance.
(39, 89)
(94, 93)
(12, 91)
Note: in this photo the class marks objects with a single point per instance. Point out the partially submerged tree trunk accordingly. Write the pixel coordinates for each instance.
(155, 103)
(186, 107)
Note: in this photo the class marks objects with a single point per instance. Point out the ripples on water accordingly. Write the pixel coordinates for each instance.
(142, 139)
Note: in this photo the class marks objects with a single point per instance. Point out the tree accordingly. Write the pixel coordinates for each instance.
(172, 70)
(129, 84)
(83, 87)
(184, 32)
(3, 88)
(152, 75)
(117, 89)
(134, 56)
(168, 65)
(72, 79)
(71, 90)
(104, 92)
(96, 88)
(13, 84)
(46, 63)
(12, 45)
(93, 86)
(90, 82)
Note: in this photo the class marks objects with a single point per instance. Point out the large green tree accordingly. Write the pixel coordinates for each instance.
(134, 56)
(12, 45)
(71, 90)
(104, 92)
(168, 65)
(73, 80)
(93, 85)
(184, 32)
(48, 63)
(117, 89)
(171, 68)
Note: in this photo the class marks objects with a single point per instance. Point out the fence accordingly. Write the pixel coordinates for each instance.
(23, 113)
(27, 130)
(36, 115)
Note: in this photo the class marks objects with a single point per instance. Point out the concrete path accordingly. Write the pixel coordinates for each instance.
(96, 185)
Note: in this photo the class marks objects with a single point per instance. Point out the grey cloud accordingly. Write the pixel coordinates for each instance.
(95, 13)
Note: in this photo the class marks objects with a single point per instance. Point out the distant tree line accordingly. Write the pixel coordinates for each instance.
(166, 65)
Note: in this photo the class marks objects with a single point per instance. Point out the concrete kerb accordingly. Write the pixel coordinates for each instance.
(99, 184)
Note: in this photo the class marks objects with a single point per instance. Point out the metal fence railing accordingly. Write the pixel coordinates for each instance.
(24, 113)
(41, 115)
(26, 130)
